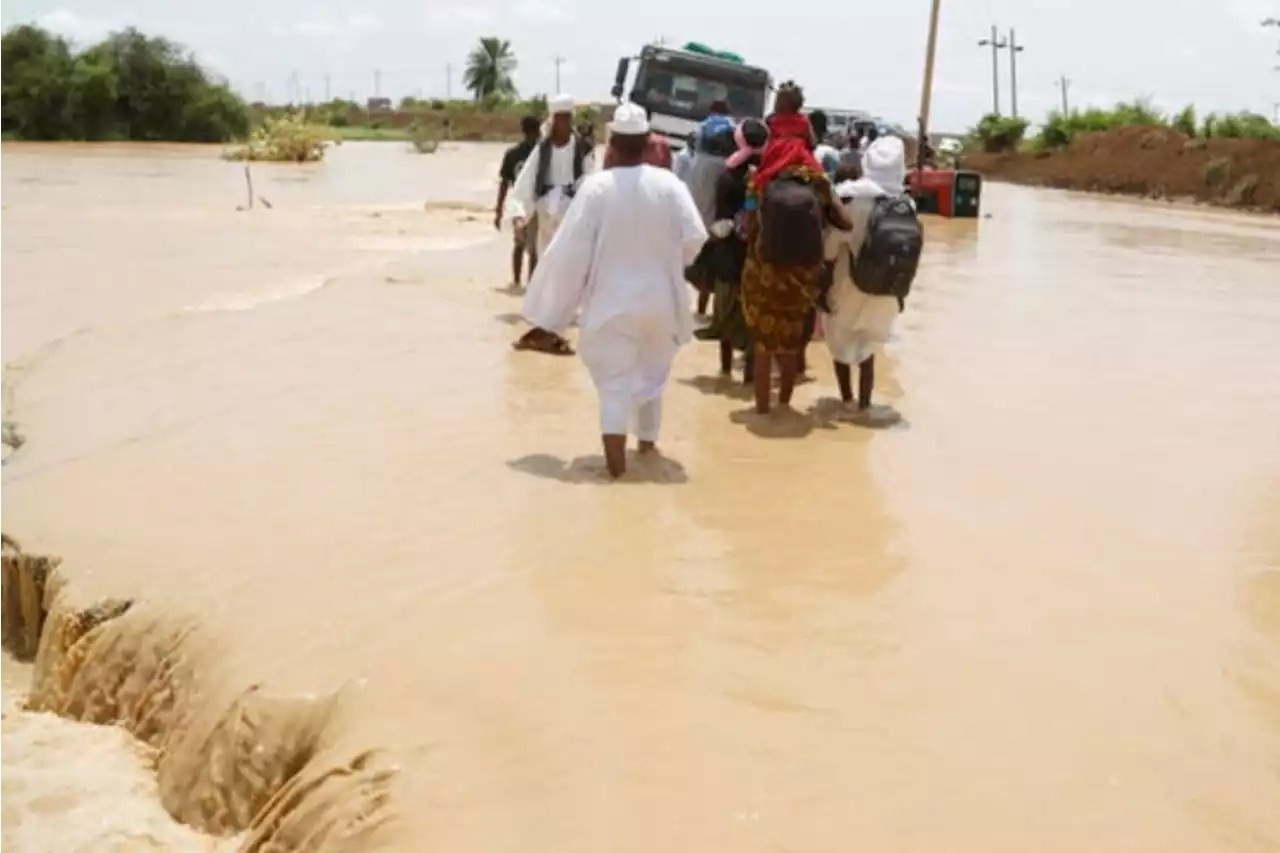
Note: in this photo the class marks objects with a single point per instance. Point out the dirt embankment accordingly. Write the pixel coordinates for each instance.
(1154, 162)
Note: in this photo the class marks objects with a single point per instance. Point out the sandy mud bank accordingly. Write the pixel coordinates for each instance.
(1150, 161)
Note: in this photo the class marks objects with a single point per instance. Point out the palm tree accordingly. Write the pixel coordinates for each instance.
(489, 68)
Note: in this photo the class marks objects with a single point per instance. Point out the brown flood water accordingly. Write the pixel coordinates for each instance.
(1042, 613)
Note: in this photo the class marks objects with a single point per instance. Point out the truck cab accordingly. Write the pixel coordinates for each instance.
(678, 85)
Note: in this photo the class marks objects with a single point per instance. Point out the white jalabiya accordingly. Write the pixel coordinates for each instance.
(620, 256)
(859, 324)
(550, 209)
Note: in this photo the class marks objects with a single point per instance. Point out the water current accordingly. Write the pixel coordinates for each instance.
(367, 543)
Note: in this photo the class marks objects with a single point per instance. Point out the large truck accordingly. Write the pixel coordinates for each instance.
(678, 85)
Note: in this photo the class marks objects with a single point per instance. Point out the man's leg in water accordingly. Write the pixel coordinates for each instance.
(649, 424)
(615, 415)
(844, 377)
(615, 454)
(517, 263)
(531, 243)
(656, 354)
(866, 382)
(611, 354)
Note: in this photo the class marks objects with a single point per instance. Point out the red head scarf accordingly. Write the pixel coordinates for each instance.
(789, 138)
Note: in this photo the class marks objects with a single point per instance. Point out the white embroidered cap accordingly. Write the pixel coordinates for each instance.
(629, 120)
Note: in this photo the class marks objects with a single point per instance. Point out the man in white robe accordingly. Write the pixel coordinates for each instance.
(620, 257)
(549, 200)
(858, 324)
(543, 190)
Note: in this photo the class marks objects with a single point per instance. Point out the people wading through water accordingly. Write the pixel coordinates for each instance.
(620, 258)
(727, 248)
(790, 204)
(543, 192)
(524, 239)
(874, 265)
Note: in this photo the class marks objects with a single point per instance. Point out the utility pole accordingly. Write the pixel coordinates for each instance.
(1275, 108)
(1014, 50)
(558, 60)
(996, 45)
(377, 82)
(1064, 84)
(926, 91)
(448, 81)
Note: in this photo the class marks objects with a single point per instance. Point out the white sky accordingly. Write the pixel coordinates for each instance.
(847, 53)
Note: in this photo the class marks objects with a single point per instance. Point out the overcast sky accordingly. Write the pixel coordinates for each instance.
(851, 53)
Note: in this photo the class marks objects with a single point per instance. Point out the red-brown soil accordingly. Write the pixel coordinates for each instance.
(1150, 161)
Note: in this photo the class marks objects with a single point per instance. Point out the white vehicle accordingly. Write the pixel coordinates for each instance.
(844, 122)
(679, 85)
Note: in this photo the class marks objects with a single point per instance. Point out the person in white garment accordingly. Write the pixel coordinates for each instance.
(619, 258)
(857, 326)
(543, 191)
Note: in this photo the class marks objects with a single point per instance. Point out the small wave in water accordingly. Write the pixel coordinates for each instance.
(246, 301)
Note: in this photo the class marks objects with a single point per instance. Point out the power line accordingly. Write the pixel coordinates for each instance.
(1014, 50)
(996, 44)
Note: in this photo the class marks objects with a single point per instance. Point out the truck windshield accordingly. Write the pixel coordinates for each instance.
(687, 89)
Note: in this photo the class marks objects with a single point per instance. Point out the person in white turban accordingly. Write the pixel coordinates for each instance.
(620, 258)
(858, 324)
(543, 191)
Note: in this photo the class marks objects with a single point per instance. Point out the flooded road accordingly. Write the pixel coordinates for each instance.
(1043, 613)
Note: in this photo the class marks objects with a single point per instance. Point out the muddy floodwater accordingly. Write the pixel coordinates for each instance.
(1041, 613)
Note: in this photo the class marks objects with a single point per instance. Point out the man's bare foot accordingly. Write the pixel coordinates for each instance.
(615, 454)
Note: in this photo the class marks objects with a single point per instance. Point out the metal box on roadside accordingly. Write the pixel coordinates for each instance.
(953, 193)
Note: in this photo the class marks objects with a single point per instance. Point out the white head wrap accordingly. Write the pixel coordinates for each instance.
(884, 163)
(561, 104)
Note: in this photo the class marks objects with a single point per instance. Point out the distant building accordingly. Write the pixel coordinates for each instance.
(378, 105)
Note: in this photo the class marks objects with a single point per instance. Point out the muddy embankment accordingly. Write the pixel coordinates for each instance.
(1153, 162)
(261, 767)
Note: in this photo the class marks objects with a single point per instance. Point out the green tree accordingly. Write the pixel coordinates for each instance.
(489, 68)
(999, 133)
(130, 86)
(36, 87)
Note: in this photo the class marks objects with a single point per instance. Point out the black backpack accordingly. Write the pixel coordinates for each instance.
(886, 262)
(791, 221)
